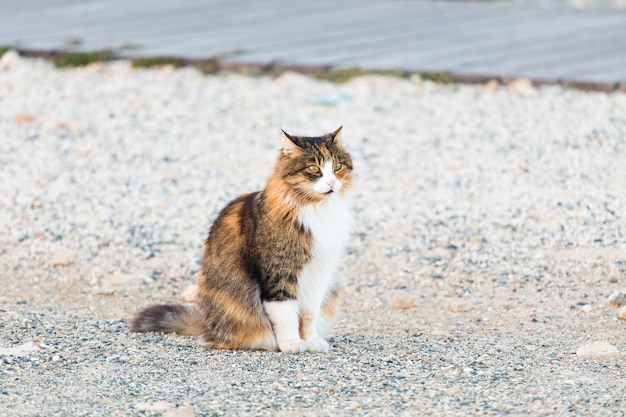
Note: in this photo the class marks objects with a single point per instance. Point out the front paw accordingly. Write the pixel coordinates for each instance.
(317, 344)
(292, 346)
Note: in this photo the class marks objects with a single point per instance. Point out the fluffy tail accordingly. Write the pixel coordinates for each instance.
(168, 318)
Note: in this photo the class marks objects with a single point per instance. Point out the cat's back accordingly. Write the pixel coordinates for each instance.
(233, 224)
(247, 229)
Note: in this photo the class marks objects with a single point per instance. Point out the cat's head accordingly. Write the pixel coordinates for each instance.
(314, 168)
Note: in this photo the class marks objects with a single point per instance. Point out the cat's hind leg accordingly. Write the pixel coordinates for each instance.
(328, 313)
(314, 327)
(267, 342)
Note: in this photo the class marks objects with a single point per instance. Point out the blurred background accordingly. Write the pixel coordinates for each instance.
(549, 41)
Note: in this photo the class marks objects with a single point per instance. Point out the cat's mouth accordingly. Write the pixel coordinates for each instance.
(328, 192)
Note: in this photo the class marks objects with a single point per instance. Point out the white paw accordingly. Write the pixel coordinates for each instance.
(292, 346)
(317, 344)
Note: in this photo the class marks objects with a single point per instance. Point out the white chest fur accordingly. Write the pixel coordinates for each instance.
(329, 223)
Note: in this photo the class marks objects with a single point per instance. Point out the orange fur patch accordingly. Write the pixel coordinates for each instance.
(306, 321)
(280, 203)
(245, 342)
(230, 305)
(231, 220)
(330, 308)
(250, 327)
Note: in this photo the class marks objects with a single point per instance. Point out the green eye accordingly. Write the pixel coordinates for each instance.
(314, 169)
(337, 166)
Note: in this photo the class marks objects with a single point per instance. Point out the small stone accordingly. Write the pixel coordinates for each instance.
(521, 86)
(56, 358)
(119, 280)
(477, 239)
(292, 78)
(355, 405)
(455, 391)
(22, 350)
(613, 279)
(617, 299)
(186, 411)
(459, 306)
(492, 85)
(61, 259)
(598, 350)
(190, 295)
(622, 313)
(403, 303)
(9, 60)
(24, 118)
(155, 407)
(106, 290)
(586, 308)
(36, 203)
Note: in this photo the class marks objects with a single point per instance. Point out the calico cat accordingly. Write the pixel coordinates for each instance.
(269, 274)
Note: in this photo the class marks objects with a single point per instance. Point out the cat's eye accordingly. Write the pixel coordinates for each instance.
(337, 166)
(314, 169)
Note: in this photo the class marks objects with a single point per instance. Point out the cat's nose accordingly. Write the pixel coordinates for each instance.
(330, 183)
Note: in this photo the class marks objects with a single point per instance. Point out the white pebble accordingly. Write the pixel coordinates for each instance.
(598, 350)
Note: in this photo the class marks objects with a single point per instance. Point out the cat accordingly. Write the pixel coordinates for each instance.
(269, 274)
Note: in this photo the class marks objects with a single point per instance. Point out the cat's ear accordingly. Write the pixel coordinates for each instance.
(290, 145)
(336, 135)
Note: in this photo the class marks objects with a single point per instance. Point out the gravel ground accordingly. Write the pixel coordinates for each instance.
(490, 232)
